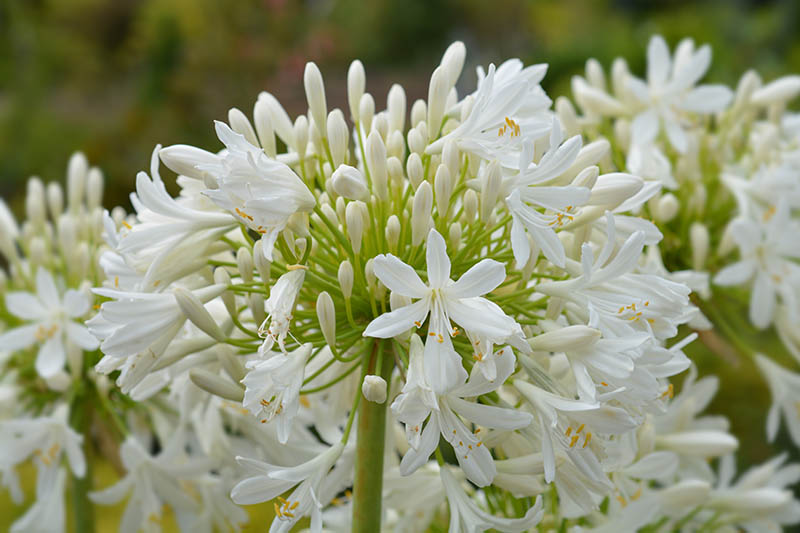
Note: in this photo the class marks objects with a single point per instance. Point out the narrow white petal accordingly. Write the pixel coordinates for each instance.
(25, 305)
(399, 277)
(762, 301)
(443, 368)
(51, 357)
(437, 260)
(78, 334)
(395, 322)
(478, 280)
(46, 288)
(736, 274)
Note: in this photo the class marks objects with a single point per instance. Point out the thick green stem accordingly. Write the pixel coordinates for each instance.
(368, 486)
(82, 507)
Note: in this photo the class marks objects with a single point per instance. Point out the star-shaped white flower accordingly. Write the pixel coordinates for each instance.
(52, 321)
(444, 300)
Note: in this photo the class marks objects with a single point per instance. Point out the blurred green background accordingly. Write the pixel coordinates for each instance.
(115, 77)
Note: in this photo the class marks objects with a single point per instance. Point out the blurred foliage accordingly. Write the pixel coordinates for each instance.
(114, 77)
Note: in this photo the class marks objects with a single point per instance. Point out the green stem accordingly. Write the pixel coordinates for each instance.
(82, 508)
(368, 485)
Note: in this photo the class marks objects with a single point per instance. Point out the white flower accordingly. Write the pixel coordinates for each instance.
(670, 90)
(467, 517)
(444, 300)
(272, 388)
(417, 403)
(528, 193)
(48, 512)
(45, 438)
(785, 388)
(152, 481)
(279, 307)
(272, 481)
(261, 192)
(52, 323)
(508, 108)
(768, 255)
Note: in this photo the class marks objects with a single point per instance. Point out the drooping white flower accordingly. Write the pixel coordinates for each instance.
(444, 300)
(785, 388)
(444, 413)
(46, 439)
(52, 323)
(670, 91)
(271, 481)
(152, 482)
(768, 256)
(272, 388)
(261, 192)
(467, 517)
(279, 307)
(48, 512)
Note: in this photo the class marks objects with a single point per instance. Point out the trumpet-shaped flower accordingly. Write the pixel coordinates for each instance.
(52, 323)
(444, 300)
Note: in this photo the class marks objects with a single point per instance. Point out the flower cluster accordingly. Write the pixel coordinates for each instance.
(461, 312)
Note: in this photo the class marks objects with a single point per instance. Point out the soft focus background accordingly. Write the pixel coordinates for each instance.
(115, 77)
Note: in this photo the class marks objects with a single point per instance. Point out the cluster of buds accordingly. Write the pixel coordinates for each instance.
(456, 312)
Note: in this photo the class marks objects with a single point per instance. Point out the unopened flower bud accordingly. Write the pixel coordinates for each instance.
(256, 304)
(421, 213)
(443, 185)
(355, 225)
(415, 170)
(366, 112)
(416, 143)
(76, 180)
(369, 275)
(37, 252)
(380, 125)
(348, 182)
(230, 362)
(619, 76)
(183, 159)
(35, 206)
(315, 94)
(197, 314)
(393, 232)
(244, 261)
(705, 443)
(55, 199)
(345, 276)
(684, 495)
(699, 241)
(376, 162)
(222, 277)
(338, 136)
(396, 107)
(419, 112)
(216, 384)
(262, 119)
(356, 81)
(594, 100)
(566, 114)
(396, 145)
(241, 125)
(395, 169)
(437, 95)
(451, 157)
(453, 61)
(666, 208)
(94, 188)
(470, 205)
(301, 135)
(374, 388)
(454, 236)
(566, 339)
(492, 180)
(777, 91)
(261, 262)
(610, 190)
(748, 84)
(326, 314)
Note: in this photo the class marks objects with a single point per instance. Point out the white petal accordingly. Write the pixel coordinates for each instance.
(443, 368)
(113, 494)
(399, 277)
(481, 317)
(707, 99)
(46, 288)
(478, 280)
(78, 334)
(490, 416)
(655, 465)
(438, 262)
(519, 243)
(20, 337)
(51, 357)
(762, 301)
(736, 274)
(644, 127)
(413, 459)
(396, 322)
(259, 489)
(658, 61)
(25, 305)
(75, 303)
(677, 137)
(478, 383)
